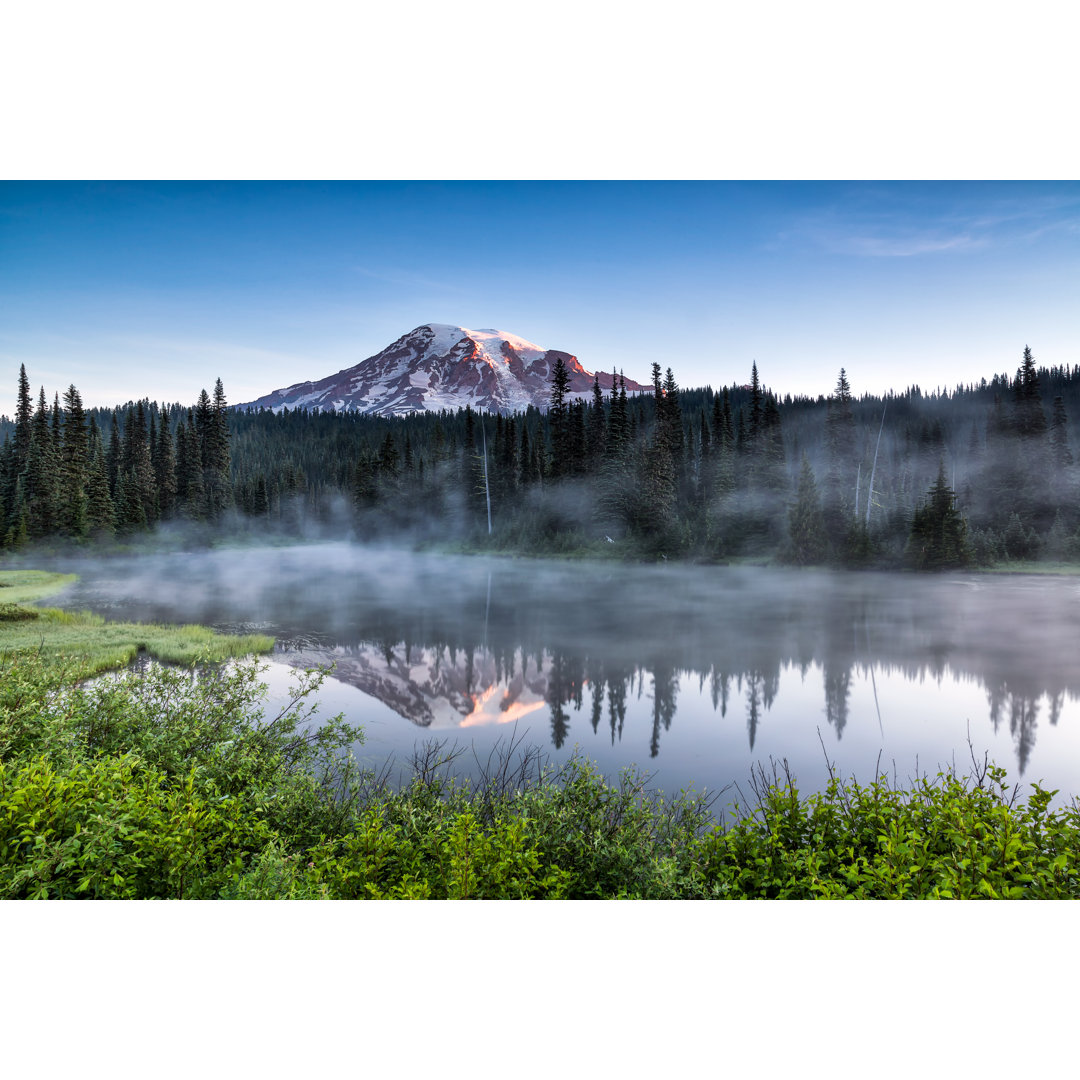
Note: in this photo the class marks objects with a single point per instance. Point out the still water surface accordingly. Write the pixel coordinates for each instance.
(690, 673)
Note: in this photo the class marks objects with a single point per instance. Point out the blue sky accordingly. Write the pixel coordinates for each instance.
(156, 289)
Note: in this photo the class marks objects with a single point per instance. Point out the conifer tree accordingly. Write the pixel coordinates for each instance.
(597, 428)
(525, 457)
(472, 471)
(839, 507)
(509, 468)
(73, 467)
(388, 466)
(260, 503)
(55, 426)
(39, 480)
(365, 488)
(214, 447)
(806, 523)
(130, 511)
(138, 466)
(8, 488)
(756, 407)
(189, 472)
(1030, 419)
(165, 468)
(558, 417)
(100, 515)
(773, 460)
(114, 455)
(24, 415)
(669, 416)
(618, 424)
(938, 538)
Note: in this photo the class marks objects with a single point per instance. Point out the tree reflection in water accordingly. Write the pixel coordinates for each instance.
(447, 642)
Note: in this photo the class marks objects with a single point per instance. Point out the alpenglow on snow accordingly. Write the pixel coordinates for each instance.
(438, 366)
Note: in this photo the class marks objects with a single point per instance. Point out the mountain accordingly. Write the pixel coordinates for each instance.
(437, 366)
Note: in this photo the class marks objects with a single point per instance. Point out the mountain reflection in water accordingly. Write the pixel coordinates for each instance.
(694, 672)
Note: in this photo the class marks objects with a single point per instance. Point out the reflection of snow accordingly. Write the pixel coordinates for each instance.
(484, 713)
(427, 687)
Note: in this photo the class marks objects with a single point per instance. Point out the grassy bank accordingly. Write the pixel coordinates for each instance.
(85, 644)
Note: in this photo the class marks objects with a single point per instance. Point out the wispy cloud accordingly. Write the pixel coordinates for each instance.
(901, 244)
(888, 225)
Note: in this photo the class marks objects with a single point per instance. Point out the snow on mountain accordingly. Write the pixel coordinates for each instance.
(439, 366)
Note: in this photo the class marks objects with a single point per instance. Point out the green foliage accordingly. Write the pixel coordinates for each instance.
(114, 828)
(945, 837)
(164, 783)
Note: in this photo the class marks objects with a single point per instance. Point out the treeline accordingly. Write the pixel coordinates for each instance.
(980, 474)
(69, 473)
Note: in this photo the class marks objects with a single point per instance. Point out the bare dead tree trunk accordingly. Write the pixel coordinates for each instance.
(487, 490)
(870, 496)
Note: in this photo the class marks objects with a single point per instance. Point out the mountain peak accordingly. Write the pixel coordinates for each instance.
(441, 366)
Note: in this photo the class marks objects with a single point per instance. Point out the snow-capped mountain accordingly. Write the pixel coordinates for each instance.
(437, 366)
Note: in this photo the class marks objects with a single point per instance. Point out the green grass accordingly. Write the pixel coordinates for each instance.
(82, 643)
(23, 586)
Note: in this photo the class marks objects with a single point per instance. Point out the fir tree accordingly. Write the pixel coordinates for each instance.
(597, 428)
(618, 425)
(114, 455)
(938, 538)
(839, 507)
(24, 415)
(73, 467)
(165, 468)
(139, 468)
(214, 446)
(558, 416)
(100, 515)
(806, 523)
(260, 502)
(39, 490)
(130, 511)
(189, 471)
(773, 461)
(756, 408)
(1030, 420)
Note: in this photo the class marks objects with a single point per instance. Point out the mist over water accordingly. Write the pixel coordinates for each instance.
(691, 673)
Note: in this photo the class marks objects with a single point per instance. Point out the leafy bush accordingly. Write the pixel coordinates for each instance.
(945, 837)
(116, 829)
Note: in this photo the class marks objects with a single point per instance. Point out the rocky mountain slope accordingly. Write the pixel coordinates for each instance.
(437, 366)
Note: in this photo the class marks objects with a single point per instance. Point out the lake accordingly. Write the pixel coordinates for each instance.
(693, 674)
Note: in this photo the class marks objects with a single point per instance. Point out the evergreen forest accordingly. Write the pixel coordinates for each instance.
(979, 475)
